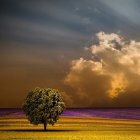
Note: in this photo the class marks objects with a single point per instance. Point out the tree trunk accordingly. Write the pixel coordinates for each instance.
(45, 125)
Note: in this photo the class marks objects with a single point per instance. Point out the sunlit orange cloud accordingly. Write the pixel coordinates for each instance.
(106, 81)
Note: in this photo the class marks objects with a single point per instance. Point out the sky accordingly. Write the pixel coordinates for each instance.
(88, 49)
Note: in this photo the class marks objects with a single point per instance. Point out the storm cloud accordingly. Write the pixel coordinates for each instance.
(111, 77)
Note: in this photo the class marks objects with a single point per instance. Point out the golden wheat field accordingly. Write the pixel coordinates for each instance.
(70, 128)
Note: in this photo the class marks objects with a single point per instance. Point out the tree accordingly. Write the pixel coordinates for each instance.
(43, 106)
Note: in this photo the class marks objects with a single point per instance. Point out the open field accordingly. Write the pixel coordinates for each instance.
(70, 127)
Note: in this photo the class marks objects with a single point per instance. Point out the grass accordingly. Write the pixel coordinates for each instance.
(70, 128)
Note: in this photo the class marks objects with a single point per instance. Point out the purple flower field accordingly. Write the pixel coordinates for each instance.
(105, 113)
(120, 113)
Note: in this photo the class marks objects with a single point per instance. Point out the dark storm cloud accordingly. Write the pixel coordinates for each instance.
(39, 38)
(44, 21)
(39, 22)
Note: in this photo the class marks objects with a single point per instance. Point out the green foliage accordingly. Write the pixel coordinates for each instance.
(43, 106)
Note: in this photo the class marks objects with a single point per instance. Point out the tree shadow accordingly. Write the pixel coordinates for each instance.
(38, 130)
(57, 130)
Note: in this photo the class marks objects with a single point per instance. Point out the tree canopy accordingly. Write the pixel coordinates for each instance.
(43, 106)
